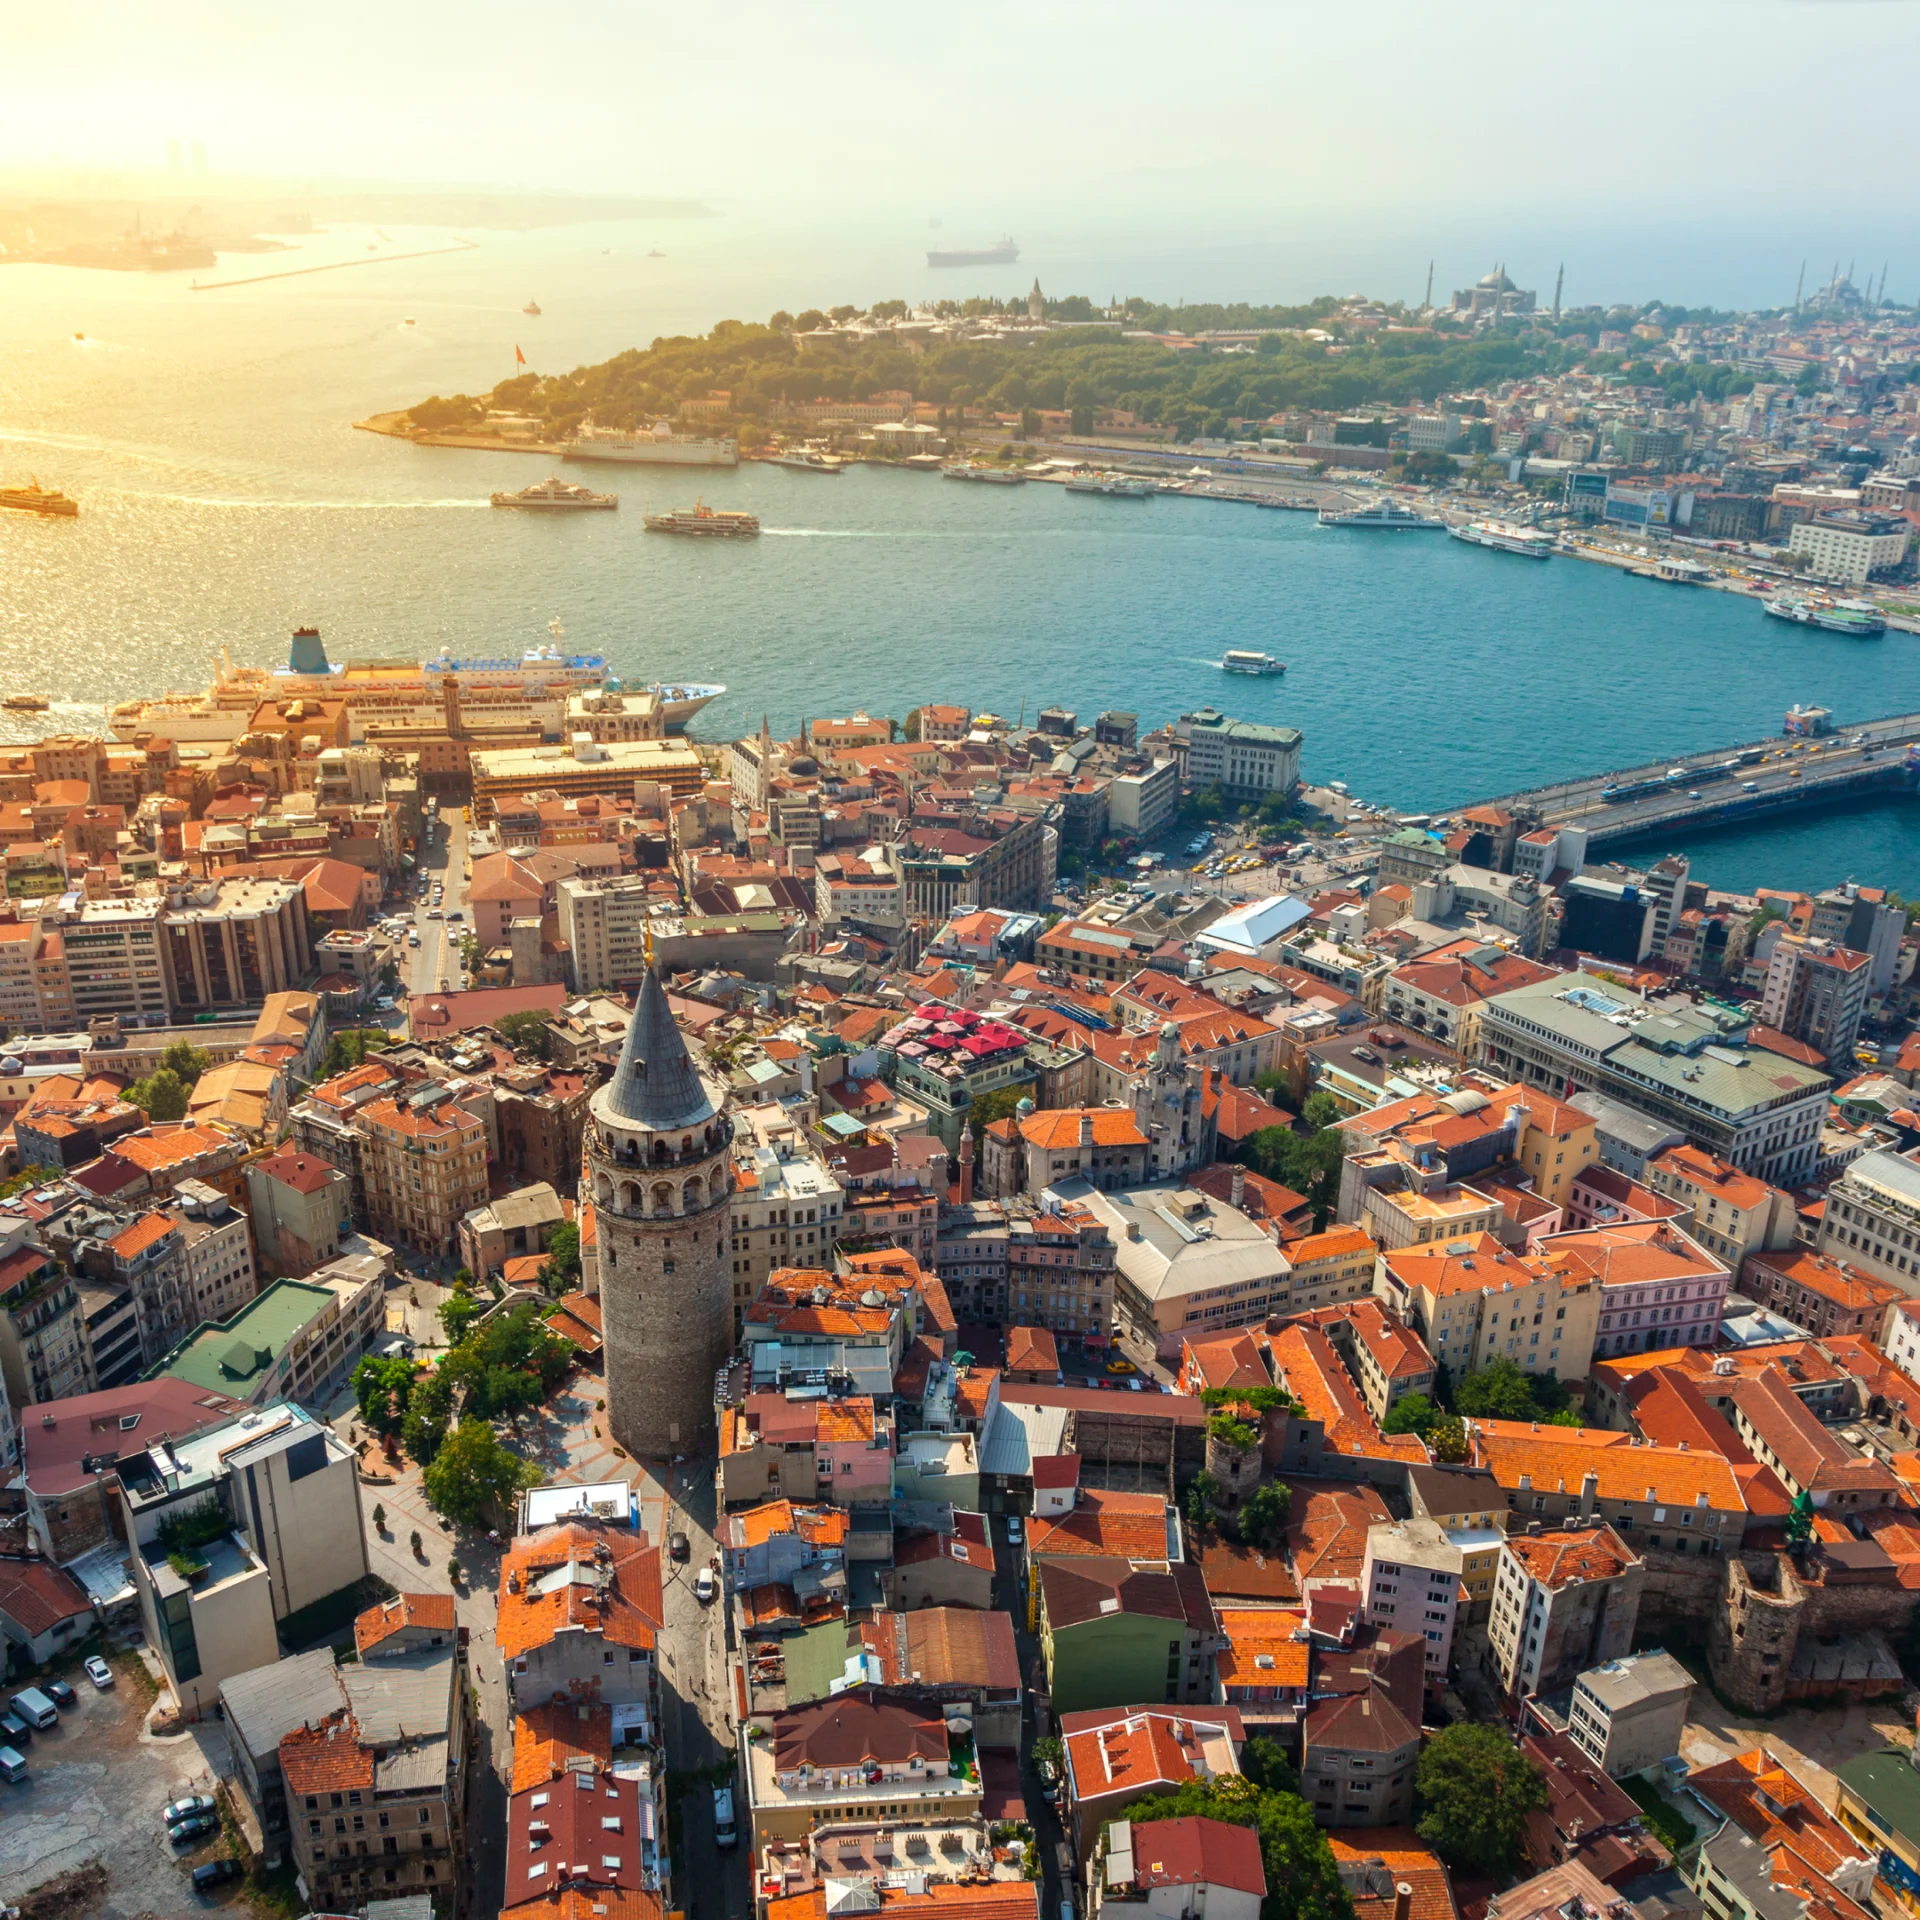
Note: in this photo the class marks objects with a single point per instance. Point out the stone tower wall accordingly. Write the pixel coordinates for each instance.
(666, 1291)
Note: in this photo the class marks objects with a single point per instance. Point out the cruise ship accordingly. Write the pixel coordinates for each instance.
(1388, 515)
(1003, 253)
(1860, 618)
(1505, 537)
(660, 448)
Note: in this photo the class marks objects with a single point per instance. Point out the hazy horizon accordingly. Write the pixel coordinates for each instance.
(1232, 151)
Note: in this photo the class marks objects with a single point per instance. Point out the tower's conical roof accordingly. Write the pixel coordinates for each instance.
(655, 1084)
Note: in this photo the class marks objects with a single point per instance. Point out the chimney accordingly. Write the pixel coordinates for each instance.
(1402, 1900)
(1086, 1128)
(966, 1165)
(1589, 1489)
(1239, 1184)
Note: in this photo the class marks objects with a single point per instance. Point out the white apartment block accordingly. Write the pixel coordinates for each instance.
(604, 922)
(1847, 555)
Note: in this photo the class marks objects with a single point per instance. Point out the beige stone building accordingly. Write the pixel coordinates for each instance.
(425, 1161)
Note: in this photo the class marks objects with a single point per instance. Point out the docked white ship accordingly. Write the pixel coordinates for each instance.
(1386, 515)
(1504, 536)
(1116, 486)
(662, 447)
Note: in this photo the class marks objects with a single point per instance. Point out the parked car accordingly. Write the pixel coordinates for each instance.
(1014, 1535)
(705, 1587)
(677, 1545)
(14, 1732)
(190, 1808)
(185, 1832)
(99, 1672)
(215, 1873)
(1119, 1364)
(61, 1694)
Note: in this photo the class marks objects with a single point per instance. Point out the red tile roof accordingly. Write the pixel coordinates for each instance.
(432, 1612)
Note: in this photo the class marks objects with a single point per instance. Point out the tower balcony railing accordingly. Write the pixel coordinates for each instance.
(662, 1150)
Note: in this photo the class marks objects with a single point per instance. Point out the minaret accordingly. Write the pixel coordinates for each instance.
(1559, 280)
(657, 1157)
(1036, 303)
(1428, 308)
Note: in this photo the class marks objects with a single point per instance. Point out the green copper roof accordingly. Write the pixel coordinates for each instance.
(229, 1356)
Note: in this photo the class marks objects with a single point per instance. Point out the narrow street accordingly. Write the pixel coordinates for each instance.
(443, 861)
(1049, 1836)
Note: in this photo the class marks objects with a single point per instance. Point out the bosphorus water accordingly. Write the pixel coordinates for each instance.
(226, 499)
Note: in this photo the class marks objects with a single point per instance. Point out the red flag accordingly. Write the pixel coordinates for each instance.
(519, 358)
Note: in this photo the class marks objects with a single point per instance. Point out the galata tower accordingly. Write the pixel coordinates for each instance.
(662, 1184)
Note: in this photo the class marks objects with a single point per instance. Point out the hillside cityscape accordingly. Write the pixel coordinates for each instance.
(628, 1296)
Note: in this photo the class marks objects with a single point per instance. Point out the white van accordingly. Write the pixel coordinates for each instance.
(36, 1709)
(725, 1833)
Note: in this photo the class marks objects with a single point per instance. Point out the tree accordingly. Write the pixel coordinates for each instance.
(458, 1311)
(1447, 1441)
(1265, 1763)
(1320, 1111)
(1202, 1491)
(348, 1048)
(561, 1273)
(1800, 1521)
(1000, 1104)
(383, 1388)
(1263, 1514)
(162, 1095)
(1303, 1878)
(1411, 1413)
(379, 1518)
(1497, 1391)
(186, 1060)
(1475, 1789)
(474, 1474)
(527, 1033)
(428, 1413)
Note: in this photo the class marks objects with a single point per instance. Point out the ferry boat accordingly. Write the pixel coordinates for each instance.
(705, 522)
(987, 476)
(26, 703)
(556, 496)
(1003, 253)
(34, 498)
(1114, 485)
(1388, 515)
(1244, 660)
(810, 460)
(662, 447)
(1860, 618)
(1503, 536)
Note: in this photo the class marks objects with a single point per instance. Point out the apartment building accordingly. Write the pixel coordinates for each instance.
(1441, 994)
(1823, 1294)
(1563, 1601)
(1386, 1358)
(1849, 548)
(1731, 1213)
(1474, 1301)
(216, 1251)
(230, 943)
(1658, 1288)
(299, 1205)
(787, 1212)
(1028, 1152)
(1060, 1269)
(583, 766)
(604, 922)
(113, 958)
(375, 1791)
(1817, 992)
(425, 1163)
(1872, 1220)
(44, 1354)
(1410, 1580)
(1629, 1713)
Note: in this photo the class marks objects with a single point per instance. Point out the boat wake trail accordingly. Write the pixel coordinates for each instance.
(290, 506)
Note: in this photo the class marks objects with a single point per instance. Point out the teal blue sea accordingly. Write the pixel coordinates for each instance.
(226, 499)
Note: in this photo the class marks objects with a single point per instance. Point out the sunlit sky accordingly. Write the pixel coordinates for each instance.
(1725, 117)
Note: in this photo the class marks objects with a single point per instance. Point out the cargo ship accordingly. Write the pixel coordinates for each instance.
(1003, 253)
(661, 447)
(556, 496)
(34, 498)
(705, 522)
(1503, 536)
